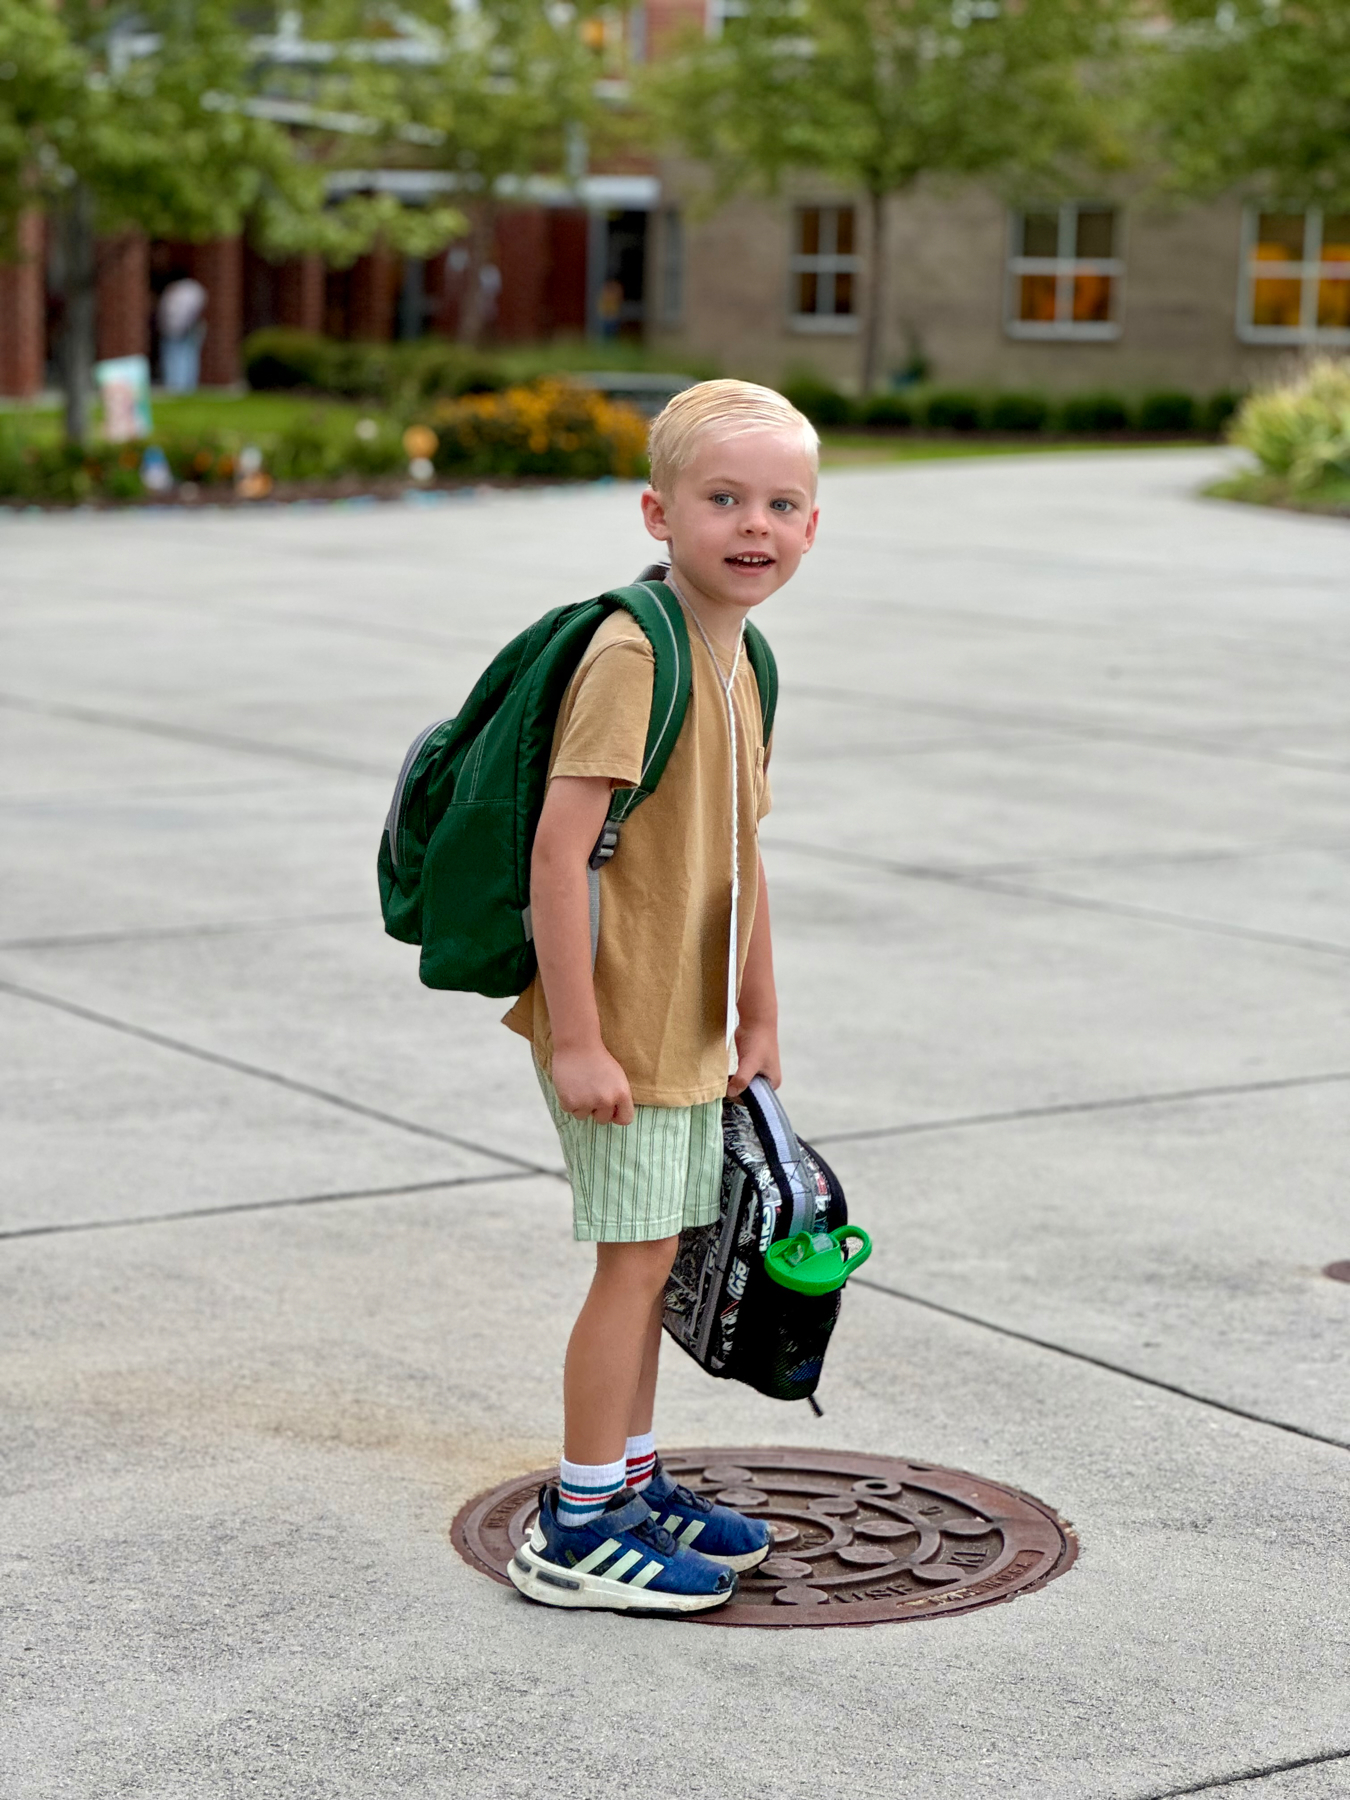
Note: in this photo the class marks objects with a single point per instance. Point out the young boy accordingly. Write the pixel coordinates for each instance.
(633, 1053)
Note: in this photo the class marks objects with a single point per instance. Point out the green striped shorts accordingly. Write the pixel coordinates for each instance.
(651, 1179)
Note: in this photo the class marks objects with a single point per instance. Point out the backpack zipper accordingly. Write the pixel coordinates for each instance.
(395, 818)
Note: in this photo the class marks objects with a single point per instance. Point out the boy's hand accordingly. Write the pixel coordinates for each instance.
(756, 1054)
(591, 1085)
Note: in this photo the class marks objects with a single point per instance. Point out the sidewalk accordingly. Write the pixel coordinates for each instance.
(1060, 874)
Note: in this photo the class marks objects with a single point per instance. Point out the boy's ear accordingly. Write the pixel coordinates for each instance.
(654, 515)
(811, 524)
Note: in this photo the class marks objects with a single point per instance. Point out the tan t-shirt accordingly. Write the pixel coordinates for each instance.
(665, 899)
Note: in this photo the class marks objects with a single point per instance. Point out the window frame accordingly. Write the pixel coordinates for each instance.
(1309, 272)
(1064, 266)
(829, 263)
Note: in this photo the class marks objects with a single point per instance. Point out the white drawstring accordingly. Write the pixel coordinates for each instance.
(726, 683)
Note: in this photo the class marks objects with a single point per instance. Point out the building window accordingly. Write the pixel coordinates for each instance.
(824, 269)
(719, 11)
(1295, 278)
(1064, 273)
(672, 265)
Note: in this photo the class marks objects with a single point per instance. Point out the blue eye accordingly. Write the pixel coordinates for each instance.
(781, 505)
(723, 499)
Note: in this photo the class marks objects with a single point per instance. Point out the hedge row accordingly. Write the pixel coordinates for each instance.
(953, 410)
(397, 375)
(405, 376)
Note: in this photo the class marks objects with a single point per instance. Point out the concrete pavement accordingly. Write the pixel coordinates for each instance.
(1059, 868)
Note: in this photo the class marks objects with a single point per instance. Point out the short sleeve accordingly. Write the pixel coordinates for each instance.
(602, 726)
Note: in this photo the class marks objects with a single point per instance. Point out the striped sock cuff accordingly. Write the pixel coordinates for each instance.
(585, 1489)
(640, 1460)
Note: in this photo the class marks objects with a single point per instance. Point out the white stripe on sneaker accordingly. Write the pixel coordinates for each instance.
(691, 1531)
(670, 1521)
(617, 1570)
(596, 1557)
(646, 1573)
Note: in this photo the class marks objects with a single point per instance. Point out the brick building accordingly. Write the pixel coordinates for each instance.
(1094, 294)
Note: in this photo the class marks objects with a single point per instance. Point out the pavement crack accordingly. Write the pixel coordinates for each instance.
(290, 1082)
(1228, 1781)
(79, 940)
(1101, 1362)
(1066, 1108)
(78, 1227)
(975, 882)
(191, 734)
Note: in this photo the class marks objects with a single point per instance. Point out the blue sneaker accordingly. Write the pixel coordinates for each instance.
(718, 1533)
(622, 1561)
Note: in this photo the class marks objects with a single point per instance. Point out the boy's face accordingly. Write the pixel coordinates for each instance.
(740, 516)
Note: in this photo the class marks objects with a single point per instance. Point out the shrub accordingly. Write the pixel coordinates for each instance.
(1299, 429)
(282, 358)
(824, 405)
(70, 473)
(1094, 412)
(434, 368)
(891, 410)
(953, 412)
(1018, 412)
(1167, 411)
(1218, 410)
(549, 427)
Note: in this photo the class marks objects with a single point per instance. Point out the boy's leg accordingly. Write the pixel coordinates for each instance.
(609, 1379)
(640, 1449)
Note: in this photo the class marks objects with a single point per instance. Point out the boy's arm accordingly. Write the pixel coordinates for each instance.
(757, 1032)
(589, 1082)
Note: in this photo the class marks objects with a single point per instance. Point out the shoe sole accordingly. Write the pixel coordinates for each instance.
(550, 1585)
(751, 1560)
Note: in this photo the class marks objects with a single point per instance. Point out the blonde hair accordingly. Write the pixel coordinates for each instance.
(730, 407)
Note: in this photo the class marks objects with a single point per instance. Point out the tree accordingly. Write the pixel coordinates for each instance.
(879, 93)
(1255, 95)
(512, 96)
(158, 114)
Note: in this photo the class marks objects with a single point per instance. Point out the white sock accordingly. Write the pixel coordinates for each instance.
(585, 1489)
(640, 1460)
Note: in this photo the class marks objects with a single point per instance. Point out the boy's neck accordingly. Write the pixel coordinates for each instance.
(721, 619)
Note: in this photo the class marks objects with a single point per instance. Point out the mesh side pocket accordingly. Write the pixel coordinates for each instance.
(781, 1338)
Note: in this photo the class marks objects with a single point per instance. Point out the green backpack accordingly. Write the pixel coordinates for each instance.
(454, 864)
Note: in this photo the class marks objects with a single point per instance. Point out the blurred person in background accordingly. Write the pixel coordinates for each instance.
(182, 309)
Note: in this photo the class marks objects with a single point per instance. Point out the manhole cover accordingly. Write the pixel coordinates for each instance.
(857, 1539)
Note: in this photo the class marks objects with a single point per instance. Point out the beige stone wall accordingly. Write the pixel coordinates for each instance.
(736, 287)
(946, 297)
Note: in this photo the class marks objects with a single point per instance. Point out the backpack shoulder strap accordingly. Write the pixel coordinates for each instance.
(756, 648)
(658, 612)
(766, 675)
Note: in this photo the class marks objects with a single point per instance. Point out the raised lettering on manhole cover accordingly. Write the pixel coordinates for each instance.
(857, 1539)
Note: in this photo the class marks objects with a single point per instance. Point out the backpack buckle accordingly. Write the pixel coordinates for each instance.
(605, 845)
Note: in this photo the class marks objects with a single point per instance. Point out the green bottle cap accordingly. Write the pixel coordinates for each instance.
(817, 1262)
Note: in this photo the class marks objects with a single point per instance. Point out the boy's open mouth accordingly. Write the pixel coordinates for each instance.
(750, 559)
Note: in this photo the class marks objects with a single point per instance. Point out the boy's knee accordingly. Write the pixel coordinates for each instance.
(643, 1264)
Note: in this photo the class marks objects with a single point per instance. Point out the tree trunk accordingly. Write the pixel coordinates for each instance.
(874, 309)
(79, 327)
(474, 303)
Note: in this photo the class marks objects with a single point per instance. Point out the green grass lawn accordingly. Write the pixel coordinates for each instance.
(205, 412)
